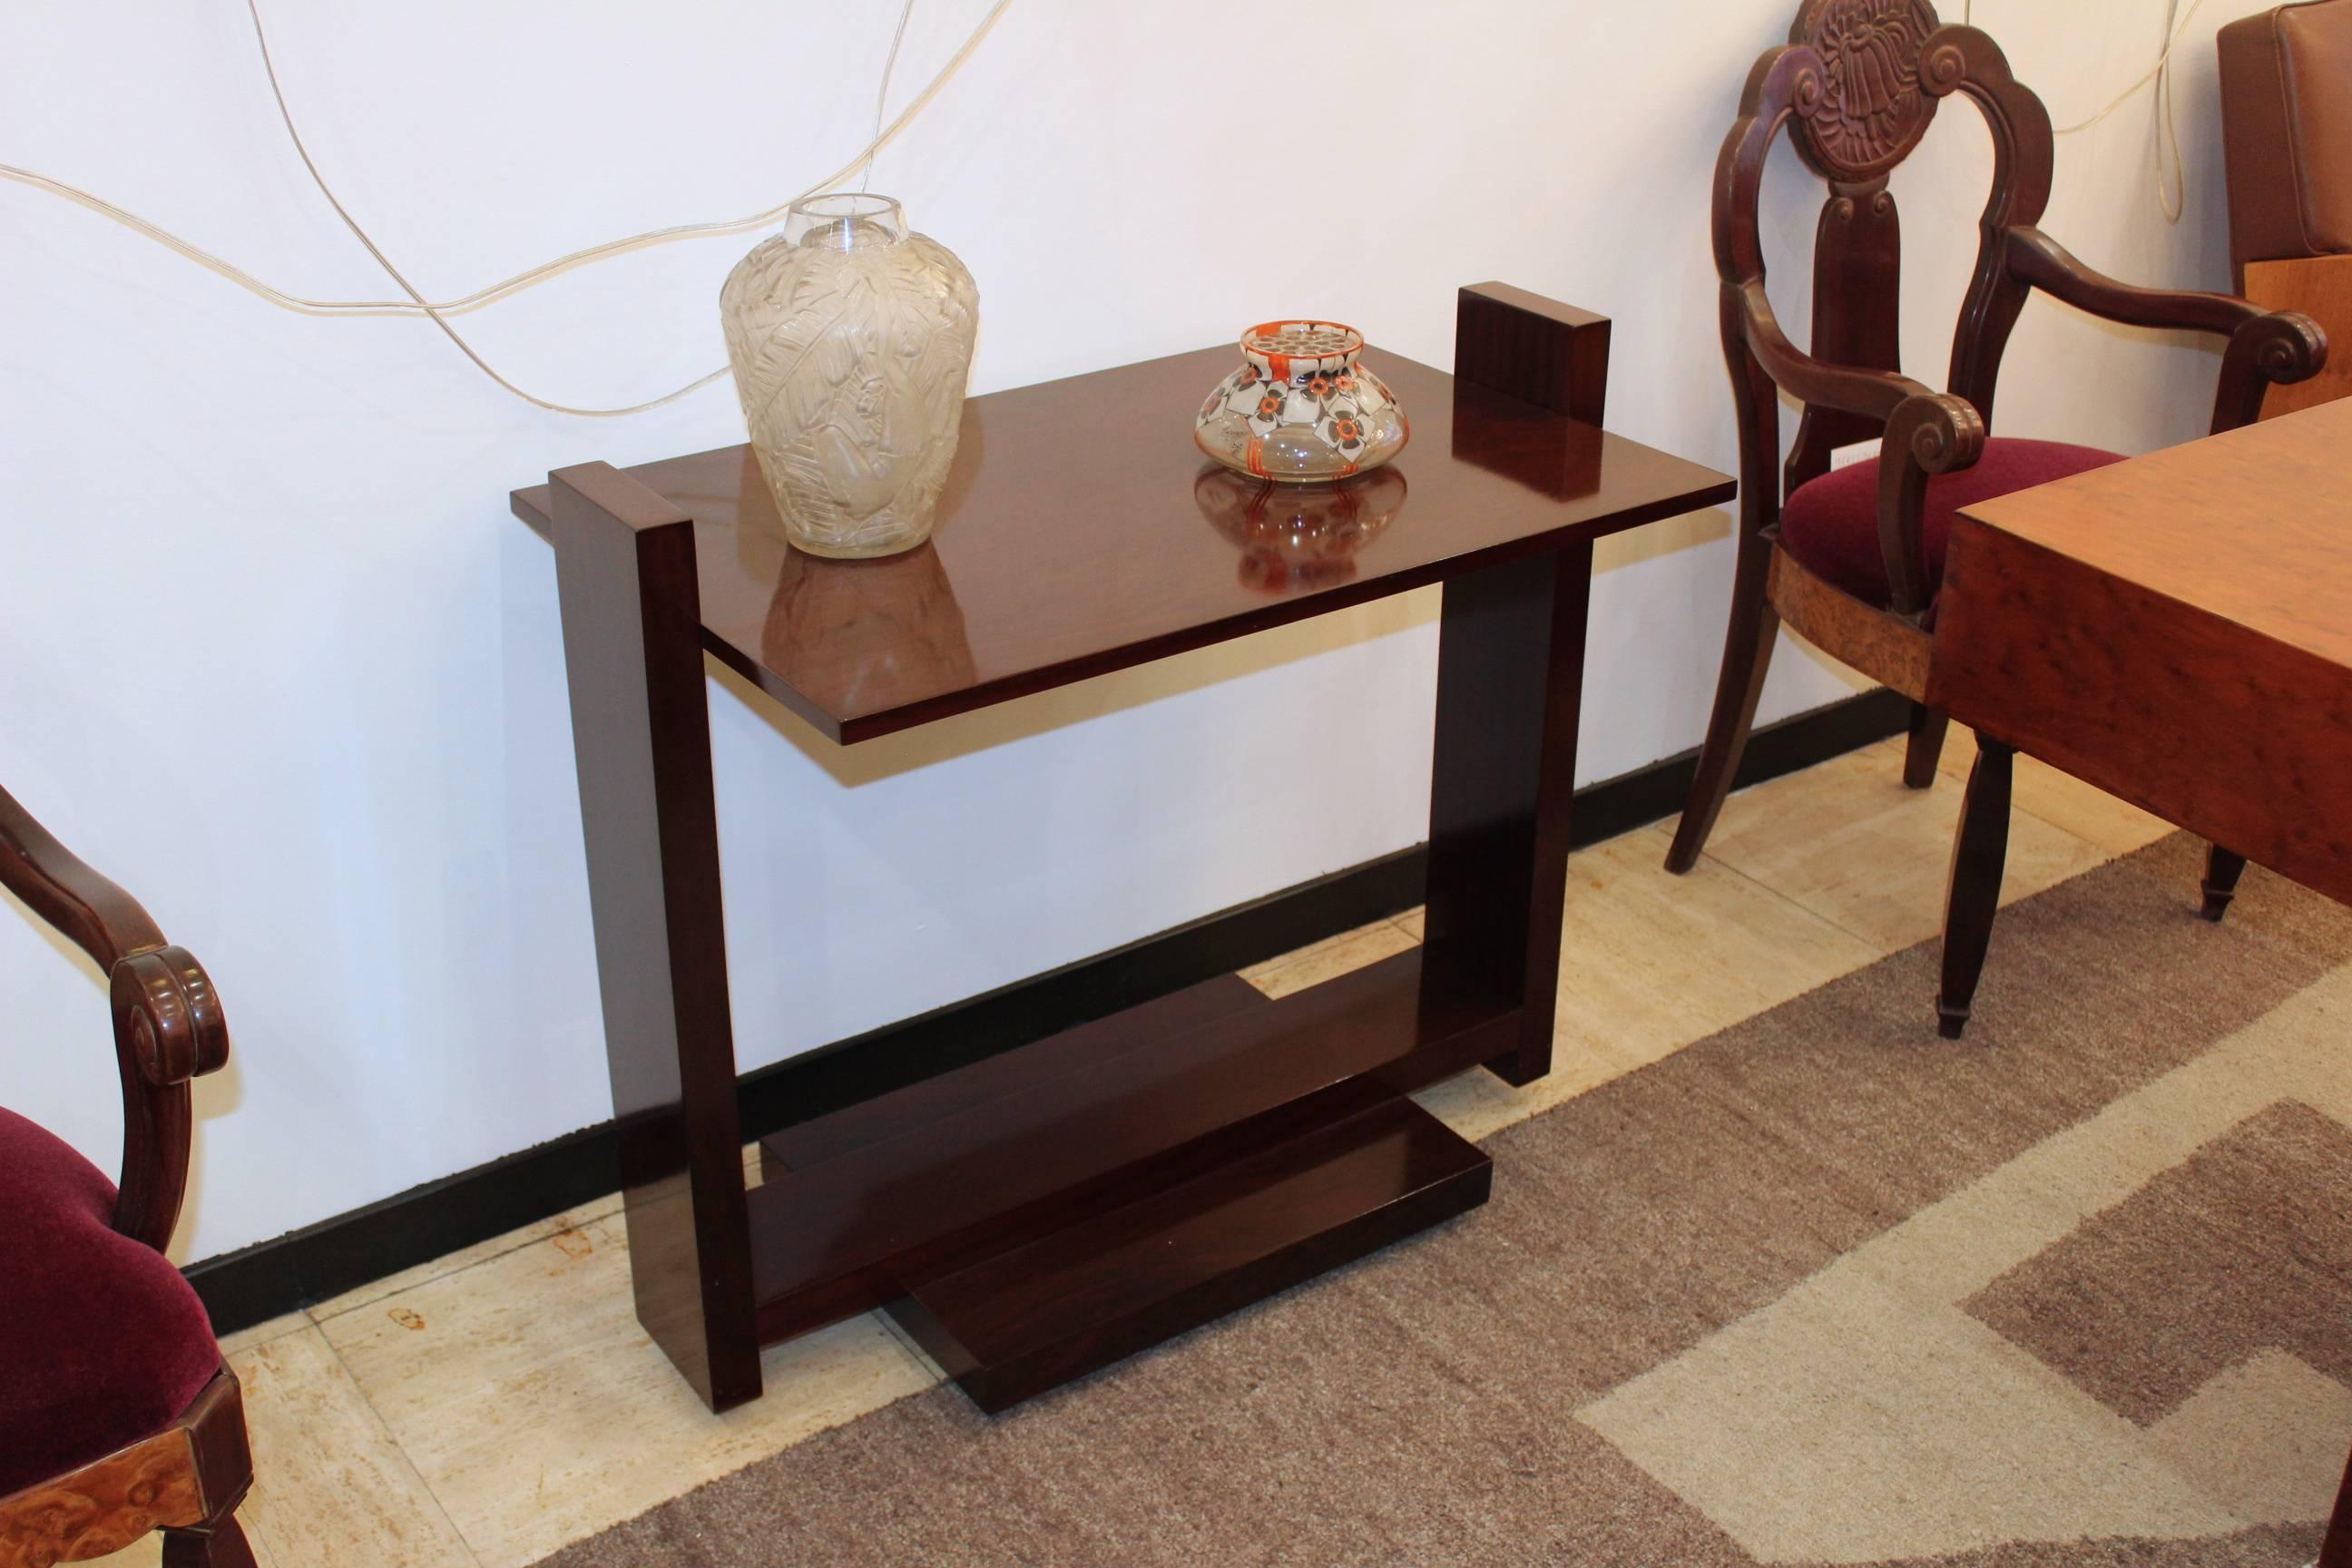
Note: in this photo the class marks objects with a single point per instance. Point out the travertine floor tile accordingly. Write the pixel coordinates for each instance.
(1476, 1104)
(1848, 842)
(1651, 962)
(232, 1345)
(331, 1487)
(466, 1257)
(2062, 800)
(535, 1407)
(1326, 960)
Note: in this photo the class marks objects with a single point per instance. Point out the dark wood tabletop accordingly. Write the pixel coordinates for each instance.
(2177, 630)
(1081, 532)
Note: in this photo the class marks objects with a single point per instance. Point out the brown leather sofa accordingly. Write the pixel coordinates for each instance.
(2286, 122)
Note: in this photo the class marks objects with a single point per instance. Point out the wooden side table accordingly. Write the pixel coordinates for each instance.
(2170, 629)
(1045, 1212)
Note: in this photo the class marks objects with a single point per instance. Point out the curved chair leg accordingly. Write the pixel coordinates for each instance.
(1747, 655)
(1979, 851)
(219, 1544)
(2223, 870)
(1926, 745)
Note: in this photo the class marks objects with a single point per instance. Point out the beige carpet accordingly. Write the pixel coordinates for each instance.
(1819, 1289)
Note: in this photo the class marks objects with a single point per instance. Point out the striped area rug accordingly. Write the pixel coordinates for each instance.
(1818, 1289)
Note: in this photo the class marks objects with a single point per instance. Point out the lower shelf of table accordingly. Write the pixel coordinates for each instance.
(1044, 1212)
(1075, 1301)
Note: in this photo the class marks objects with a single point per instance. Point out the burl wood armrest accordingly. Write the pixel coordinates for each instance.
(2266, 347)
(1927, 433)
(168, 1025)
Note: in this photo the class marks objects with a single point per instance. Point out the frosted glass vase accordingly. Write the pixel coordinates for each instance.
(850, 341)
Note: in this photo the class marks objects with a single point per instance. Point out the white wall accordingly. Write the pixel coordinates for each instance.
(273, 652)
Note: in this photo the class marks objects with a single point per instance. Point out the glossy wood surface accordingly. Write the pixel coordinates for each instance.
(1510, 688)
(1077, 1300)
(1081, 532)
(1000, 1079)
(1536, 350)
(1510, 681)
(2172, 630)
(641, 728)
(1054, 1136)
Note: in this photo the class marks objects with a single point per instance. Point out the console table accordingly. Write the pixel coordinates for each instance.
(1046, 1211)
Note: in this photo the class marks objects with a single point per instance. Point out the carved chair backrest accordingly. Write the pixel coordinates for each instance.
(1857, 85)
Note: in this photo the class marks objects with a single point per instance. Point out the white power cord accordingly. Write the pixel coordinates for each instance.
(2171, 185)
(882, 93)
(437, 311)
(2170, 192)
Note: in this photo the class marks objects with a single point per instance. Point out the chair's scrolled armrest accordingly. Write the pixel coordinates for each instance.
(1875, 394)
(1936, 430)
(2267, 348)
(2277, 349)
(2036, 260)
(84, 907)
(2282, 347)
(168, 1023)
(1928, 433)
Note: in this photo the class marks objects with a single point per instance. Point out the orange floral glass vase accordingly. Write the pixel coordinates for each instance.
(1302, 409)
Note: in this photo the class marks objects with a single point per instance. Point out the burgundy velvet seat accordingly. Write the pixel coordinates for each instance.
(117, 1418)
(101, 1341)
(1831, 524)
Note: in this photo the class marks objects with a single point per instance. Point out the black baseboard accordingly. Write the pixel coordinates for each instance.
(309, 1265)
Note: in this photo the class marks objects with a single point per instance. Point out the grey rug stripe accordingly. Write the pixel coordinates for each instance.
(1420, 1407)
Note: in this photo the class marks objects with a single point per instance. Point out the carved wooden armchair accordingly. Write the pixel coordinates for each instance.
(117, 1415)
(1852, 559)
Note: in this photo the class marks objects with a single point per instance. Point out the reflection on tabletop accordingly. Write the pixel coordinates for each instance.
(1298, 538)
(1557, 458)
(859, 636)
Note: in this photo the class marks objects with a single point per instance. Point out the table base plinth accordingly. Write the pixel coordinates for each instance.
(1079, 1299)
(1044, 1212)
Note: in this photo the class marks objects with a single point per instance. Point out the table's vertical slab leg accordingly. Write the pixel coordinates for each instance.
(1510, 676)
(641, 730)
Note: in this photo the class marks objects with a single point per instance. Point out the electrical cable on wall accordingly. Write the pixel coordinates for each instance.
(2171, 194)
(882, 93)
(2170, 197)
(436, 310)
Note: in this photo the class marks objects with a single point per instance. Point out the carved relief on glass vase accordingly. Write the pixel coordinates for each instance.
(851, 339)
